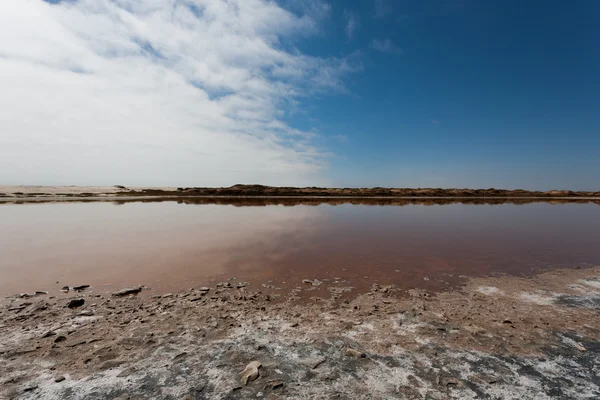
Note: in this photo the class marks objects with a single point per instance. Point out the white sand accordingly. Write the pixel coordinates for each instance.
(55, 190)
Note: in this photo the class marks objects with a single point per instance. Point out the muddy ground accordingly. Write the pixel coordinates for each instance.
(497, 338)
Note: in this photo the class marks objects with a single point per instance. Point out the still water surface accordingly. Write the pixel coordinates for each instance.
(170, 246)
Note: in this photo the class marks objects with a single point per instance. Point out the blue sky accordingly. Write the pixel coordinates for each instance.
(500, 93)
(457, 93)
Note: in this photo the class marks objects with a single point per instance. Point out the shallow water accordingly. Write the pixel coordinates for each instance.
(170, 245)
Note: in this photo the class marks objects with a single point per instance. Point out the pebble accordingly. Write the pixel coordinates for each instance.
(59, 379)
(274, 384)
(30, 388)
(313, 362)
(127, 291)
(250, 373)
(354, 353)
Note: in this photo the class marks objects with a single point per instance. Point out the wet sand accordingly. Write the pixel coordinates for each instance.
(499, 337)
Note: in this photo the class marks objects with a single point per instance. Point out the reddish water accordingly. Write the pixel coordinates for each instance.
(170, 246)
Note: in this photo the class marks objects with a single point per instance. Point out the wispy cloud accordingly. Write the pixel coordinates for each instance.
(352, 23)
(385, 46)
(160, 92)
(382, 9)
(341, 138)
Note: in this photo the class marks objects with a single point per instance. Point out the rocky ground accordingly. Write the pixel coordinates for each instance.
(497, 338)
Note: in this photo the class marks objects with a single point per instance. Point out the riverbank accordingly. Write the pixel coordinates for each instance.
(499, 337)
(66, 192)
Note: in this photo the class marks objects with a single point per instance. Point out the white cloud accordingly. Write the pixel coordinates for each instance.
(159, 92)
(385, 46)
(352, 23)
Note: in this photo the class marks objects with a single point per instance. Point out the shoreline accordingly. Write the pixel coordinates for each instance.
(260, 191)
(321, 199)
(497, 337)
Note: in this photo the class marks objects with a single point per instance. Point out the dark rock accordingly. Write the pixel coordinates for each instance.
(64, 289)
(59, 339)
(48, 334)
(59, 379)
(76, 303)
(80, 287)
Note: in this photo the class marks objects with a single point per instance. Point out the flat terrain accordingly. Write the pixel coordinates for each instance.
(497, 338)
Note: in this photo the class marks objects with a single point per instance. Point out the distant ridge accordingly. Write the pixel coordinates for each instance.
(274, 191)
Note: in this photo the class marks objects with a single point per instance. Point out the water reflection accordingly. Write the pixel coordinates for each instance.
(173, 245)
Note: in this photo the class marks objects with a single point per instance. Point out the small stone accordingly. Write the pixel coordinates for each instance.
(79, 343)
(80, 287)
(250, 373)
(274, 384)
(354, 353)
(127, 291)
(203, 289)
(180, 357)
(59, 339)
(48, 334)
(313, 362)
(86, 313)
(64, 289)
(579, 347)
(111, 364)
(59, 379)
(76, 303)
(30, 388)
(448, 381)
